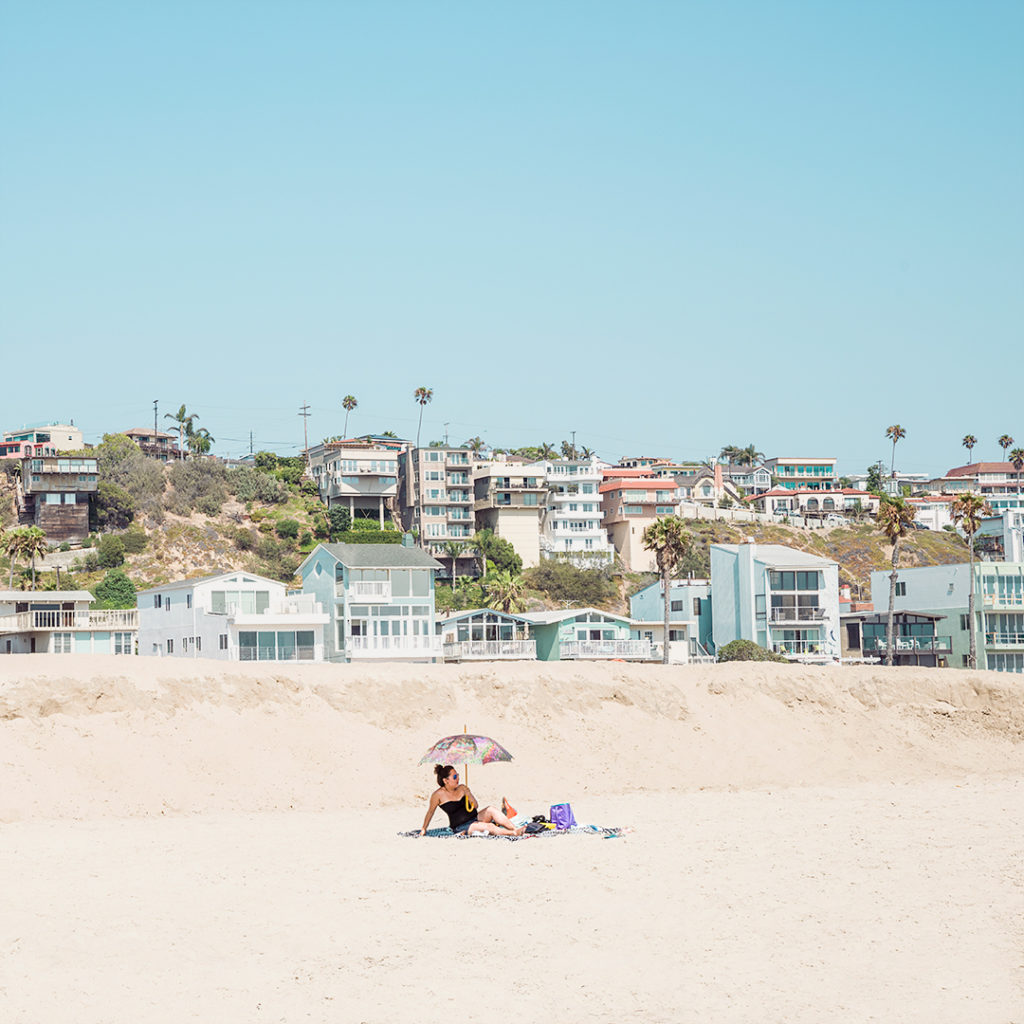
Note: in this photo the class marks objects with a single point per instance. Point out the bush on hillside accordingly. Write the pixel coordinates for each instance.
(339, 520)
(198, 485)
(368, 537)
(110, 551)
(562, 581)
(114, 507)
(120, 461)
(288, 528)
(498, 551)
(115, 590)
(134, 540)
(747, 650)
(254, 485)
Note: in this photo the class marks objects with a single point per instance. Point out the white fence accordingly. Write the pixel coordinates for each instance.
(491, 650)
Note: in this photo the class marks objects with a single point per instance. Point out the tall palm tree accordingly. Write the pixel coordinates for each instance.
(504, 591)
(199, 441)
(11, 543)
(348, 403)
(1005, 442)
(422, 396)
(894, 519)
(894, 433)
(1017, 458)
(586, 453)
(547, 451)
(750, 455)
(185, 421)
(453, 549)
(475, 444)
(969, 442)
(671, 542)
(32, 545)
(731, 454)
(967, 510)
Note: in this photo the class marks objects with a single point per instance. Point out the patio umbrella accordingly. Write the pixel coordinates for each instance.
(465, 749)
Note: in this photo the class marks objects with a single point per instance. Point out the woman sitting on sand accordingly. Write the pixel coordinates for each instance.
(459, 804)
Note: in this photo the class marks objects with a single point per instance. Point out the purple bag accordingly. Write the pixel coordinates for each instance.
(561, 816)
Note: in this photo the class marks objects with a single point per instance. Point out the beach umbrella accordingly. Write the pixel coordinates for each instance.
(465, 749)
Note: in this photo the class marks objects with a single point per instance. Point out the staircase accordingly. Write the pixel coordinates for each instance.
(26, 507)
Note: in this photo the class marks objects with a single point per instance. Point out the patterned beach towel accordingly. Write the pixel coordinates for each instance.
(588, 830)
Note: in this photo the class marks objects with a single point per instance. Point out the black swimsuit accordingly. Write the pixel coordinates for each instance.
(459, 819)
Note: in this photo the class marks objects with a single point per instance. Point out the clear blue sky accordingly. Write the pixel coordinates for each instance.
(668, 226)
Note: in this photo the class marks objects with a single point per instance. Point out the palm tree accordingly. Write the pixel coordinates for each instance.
(969, 442)
(475, 444)
(11, 543)
(453, 549)
(967, 510)
(749, 455)
(1017, 458)
(731, 454)
(894, 519)
(422, 396)
(184, 421)
(671, 542)
(894, 433)
(568, 450)
(390, 433)
(547, 451)
(348, 403)
(504, 591)
(1005, 442)
(33, 544)
(586, 453)
(199, 441)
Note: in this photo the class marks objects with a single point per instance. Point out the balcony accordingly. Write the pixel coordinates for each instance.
(911, 644)
(297, 653)
(1004, 639)
(798, 614)
(632, 650)
(394, 646)
(112, 618)
(370, 591)
(1003, 600)
(491, 650)
(798, 647)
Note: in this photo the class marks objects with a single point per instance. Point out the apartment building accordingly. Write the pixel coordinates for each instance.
(360, 475)
(54, 494)
(44, 438)
(509, 496)
(62, 622)
(632, 499)
(778, 597)
(793, 472)
(572, 524)
(230, 616)
(437, 501)
(157, 444)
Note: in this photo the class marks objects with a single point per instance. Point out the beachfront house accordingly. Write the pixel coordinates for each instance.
(230, 616)
(585, 634)
(63, 622)
(778, 597)
(690, 634)
(379, 599)
(864, 636)
(484, 634)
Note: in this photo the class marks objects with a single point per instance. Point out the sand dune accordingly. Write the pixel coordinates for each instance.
(194, 840)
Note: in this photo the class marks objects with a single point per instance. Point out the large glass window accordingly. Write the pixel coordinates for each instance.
(247, 645)
(265, 644)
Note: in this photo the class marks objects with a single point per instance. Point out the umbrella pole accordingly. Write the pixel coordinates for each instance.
(465, 767)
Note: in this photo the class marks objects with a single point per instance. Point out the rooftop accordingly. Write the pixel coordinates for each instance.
(379, 556)
(778, 555)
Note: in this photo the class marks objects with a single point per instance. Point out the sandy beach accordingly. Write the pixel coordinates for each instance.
(201, 841)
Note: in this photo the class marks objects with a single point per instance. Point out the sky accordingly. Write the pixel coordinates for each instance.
(666, 226)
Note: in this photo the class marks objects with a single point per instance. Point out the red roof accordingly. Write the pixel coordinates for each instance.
(623, 485)
(982, 467)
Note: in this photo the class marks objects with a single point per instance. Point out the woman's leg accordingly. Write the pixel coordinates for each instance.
(493, 814)
(495, 830)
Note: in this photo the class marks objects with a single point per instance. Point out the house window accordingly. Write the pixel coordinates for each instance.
(963, 660)
(963, 623)
(167, 604)
(223, 641)
(901, 590)
(156, 600)
(170, 646)
(123, 643)
(696, 606)
(677, 606)
(61, 643)
(188, 600)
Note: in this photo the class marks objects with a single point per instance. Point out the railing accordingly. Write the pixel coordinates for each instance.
(304, 605)
(304, 653)
(930, 644)
(798, 647)
(640, 650)
(1004, 639)
(797, 614)
(491, 650)
(395, 644)
(1003, 600)
(115, 618)
(365, 590)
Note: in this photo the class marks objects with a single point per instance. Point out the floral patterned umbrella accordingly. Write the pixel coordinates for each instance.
(465, 749)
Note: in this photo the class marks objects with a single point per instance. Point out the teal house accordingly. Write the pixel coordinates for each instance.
(585, 633)
(689, 627)
(380, 599)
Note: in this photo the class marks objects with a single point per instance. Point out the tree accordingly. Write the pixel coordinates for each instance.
(33, 544)
(498, 551)
(586, 453)
(547, 451)
(747, 650)
(894, 519)
(1005, 442)
(504, 591)
(115, 590)
(1017, 458)
(731, 454)
(12, 542)
(969, 442)
(339, 520)
(115, 507)
(671, 542)
(875, 481)
(475, 444)
(199, 441)
(422, 397)
(348, 403)
(749, 455)
(110, 551)
(894, 433)
(454, 548)
(185, 421)
(967, 511)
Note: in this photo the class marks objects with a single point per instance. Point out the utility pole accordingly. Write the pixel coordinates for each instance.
(446, 435)
(573, 432)
(305, 414)
(250, 442)
(154, 421)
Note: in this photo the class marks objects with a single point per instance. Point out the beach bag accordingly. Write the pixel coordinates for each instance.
(562, 817)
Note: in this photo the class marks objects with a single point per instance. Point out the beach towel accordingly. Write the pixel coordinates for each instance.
(590, 830)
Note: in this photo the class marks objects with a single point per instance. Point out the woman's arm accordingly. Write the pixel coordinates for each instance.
(431, 807)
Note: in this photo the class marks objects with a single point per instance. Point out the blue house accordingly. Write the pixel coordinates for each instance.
(380, 599)
(585, 633)
(690, 624)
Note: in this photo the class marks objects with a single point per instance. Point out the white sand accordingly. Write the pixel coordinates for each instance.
(191, 841)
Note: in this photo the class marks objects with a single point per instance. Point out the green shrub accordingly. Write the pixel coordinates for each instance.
(134, 540)
(267, 526)
(65, 546)
(564, 582)
(110, 551)
(198, 485)
(245, 540)
(114, 506)
(320, 529)
(253, 485)
(498, 551)
(210, 504)
(306, 539)
(369, 537)
(288, 528)
(340, 520)
(87, 542)
(115, 591)
(747, 650)
(363, 524)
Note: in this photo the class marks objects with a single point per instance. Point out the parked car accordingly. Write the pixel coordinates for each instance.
(836, 520)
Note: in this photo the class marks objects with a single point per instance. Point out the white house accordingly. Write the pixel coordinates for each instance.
(572, 524)
(61, 622)
(231, 616)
